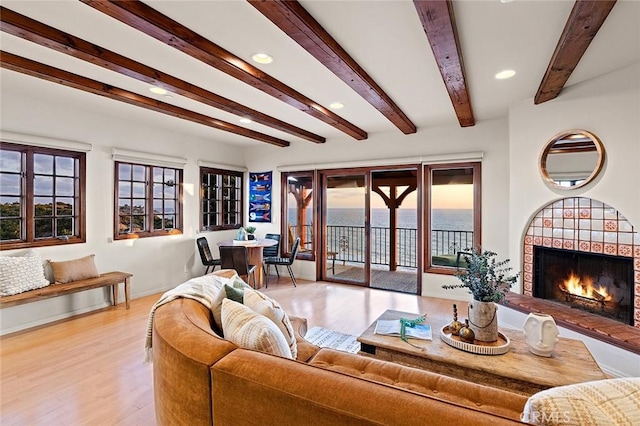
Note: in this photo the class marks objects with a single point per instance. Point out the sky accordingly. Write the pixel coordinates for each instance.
(442, 197)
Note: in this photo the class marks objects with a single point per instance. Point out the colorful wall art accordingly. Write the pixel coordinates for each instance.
(260, 197)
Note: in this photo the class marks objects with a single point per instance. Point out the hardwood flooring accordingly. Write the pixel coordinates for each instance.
(88, 370)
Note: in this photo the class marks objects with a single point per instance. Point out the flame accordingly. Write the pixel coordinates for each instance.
(584, 287)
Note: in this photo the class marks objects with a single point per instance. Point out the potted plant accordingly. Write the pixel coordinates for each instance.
(250, 232)
(488, 280)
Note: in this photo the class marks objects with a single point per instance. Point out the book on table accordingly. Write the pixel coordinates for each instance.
(392, 328)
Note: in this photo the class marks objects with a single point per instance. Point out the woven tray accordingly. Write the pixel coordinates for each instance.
(501, 346)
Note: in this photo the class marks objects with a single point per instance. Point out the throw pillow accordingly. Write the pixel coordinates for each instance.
(21, 273)
(264, 305)
(225, 292)
(597, 403)
(251, 330)
(74, 270)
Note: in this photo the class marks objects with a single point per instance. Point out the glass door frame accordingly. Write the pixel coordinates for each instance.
(324, 175)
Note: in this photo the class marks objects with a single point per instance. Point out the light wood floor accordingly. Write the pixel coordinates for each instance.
(88, 370)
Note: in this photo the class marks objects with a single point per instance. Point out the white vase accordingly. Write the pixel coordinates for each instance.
(541, 334)
(483, 320)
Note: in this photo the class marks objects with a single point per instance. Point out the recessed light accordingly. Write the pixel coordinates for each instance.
(245, 120)
(336, 105)
(506, 1)
(505, 74)
(158, 90)
(262, 58)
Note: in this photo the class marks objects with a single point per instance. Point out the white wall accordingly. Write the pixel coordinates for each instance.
(609, 107)
(489, 137)
(157, 263)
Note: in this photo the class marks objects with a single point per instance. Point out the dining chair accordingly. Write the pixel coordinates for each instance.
(286, 261)
(206, 256)
(271, 251)
(237, 257)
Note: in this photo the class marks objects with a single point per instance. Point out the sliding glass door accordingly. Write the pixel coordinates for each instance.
(345, 227)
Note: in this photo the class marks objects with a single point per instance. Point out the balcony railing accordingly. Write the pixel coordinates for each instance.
(348, 243)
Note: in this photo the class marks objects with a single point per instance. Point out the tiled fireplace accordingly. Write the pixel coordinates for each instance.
(591, 231)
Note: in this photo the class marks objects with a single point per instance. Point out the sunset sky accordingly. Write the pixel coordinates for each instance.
(442, 197)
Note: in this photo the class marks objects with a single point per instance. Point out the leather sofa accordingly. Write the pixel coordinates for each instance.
(203, 379)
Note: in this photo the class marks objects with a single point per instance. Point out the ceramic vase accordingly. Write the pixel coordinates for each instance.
(541, 334)
(483, 320)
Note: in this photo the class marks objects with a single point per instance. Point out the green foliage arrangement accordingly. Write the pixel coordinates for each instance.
(487, 279)
(250, 229)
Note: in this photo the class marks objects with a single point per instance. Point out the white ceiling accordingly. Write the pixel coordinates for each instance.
(384, 37)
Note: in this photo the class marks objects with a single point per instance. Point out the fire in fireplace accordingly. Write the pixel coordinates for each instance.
(600, 284)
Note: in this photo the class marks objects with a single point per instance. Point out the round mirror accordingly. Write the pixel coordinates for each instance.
(571, 159)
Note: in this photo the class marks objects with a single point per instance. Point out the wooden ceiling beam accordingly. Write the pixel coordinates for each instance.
(44, 35)
(56, 75)
(151, 22)
(292, 18)
(586, 18)
(439, 25)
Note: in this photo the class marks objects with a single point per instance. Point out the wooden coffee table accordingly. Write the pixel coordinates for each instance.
(517, 371)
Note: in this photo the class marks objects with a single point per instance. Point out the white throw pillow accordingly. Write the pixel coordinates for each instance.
(250, 330)
(21, 273)
(264, 305)
(597, 403)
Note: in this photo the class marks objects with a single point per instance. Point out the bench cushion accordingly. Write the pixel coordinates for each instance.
(21, 273)
(74, 270)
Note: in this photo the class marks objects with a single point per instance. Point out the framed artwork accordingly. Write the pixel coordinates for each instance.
(260, 197)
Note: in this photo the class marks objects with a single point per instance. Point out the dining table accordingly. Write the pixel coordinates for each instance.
(254, 250)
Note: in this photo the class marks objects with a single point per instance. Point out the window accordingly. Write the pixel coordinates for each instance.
(149, 200)
(220, 199)
(42, 194)
(452, 214)
(299, 218)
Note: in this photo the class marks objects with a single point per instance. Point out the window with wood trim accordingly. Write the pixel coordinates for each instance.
(42, 193)
(148, 200)
(452, 214)
(220, 199)
(298, 220)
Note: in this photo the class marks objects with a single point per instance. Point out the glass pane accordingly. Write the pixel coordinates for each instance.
(124, 224)
(10, 184)
(157, 222)
(451, 214)
(43, 206)
(138, 189)
(10, 207)
(157, 174)
(139, 206)
(124, 189)
(124, 171)
(10, 229)
(205, 179)
(169, 222)
(10, 161)
(139, 224)
(157, 190)
(43, 185)
(170, 176)
(169, 206)
(64, 226)
(157, 206)
(65, 166)
(213, 220)
(139, 173)
(124, 206)
(43, 228)
(344, 225)
(213, 207)
(64, 206)
(64, 186)
(43, 164)
(170, 191)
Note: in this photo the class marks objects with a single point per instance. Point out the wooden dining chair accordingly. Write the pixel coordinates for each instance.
(237, 257)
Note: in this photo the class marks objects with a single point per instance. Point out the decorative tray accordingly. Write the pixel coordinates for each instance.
(499, 347)
(244, 242)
